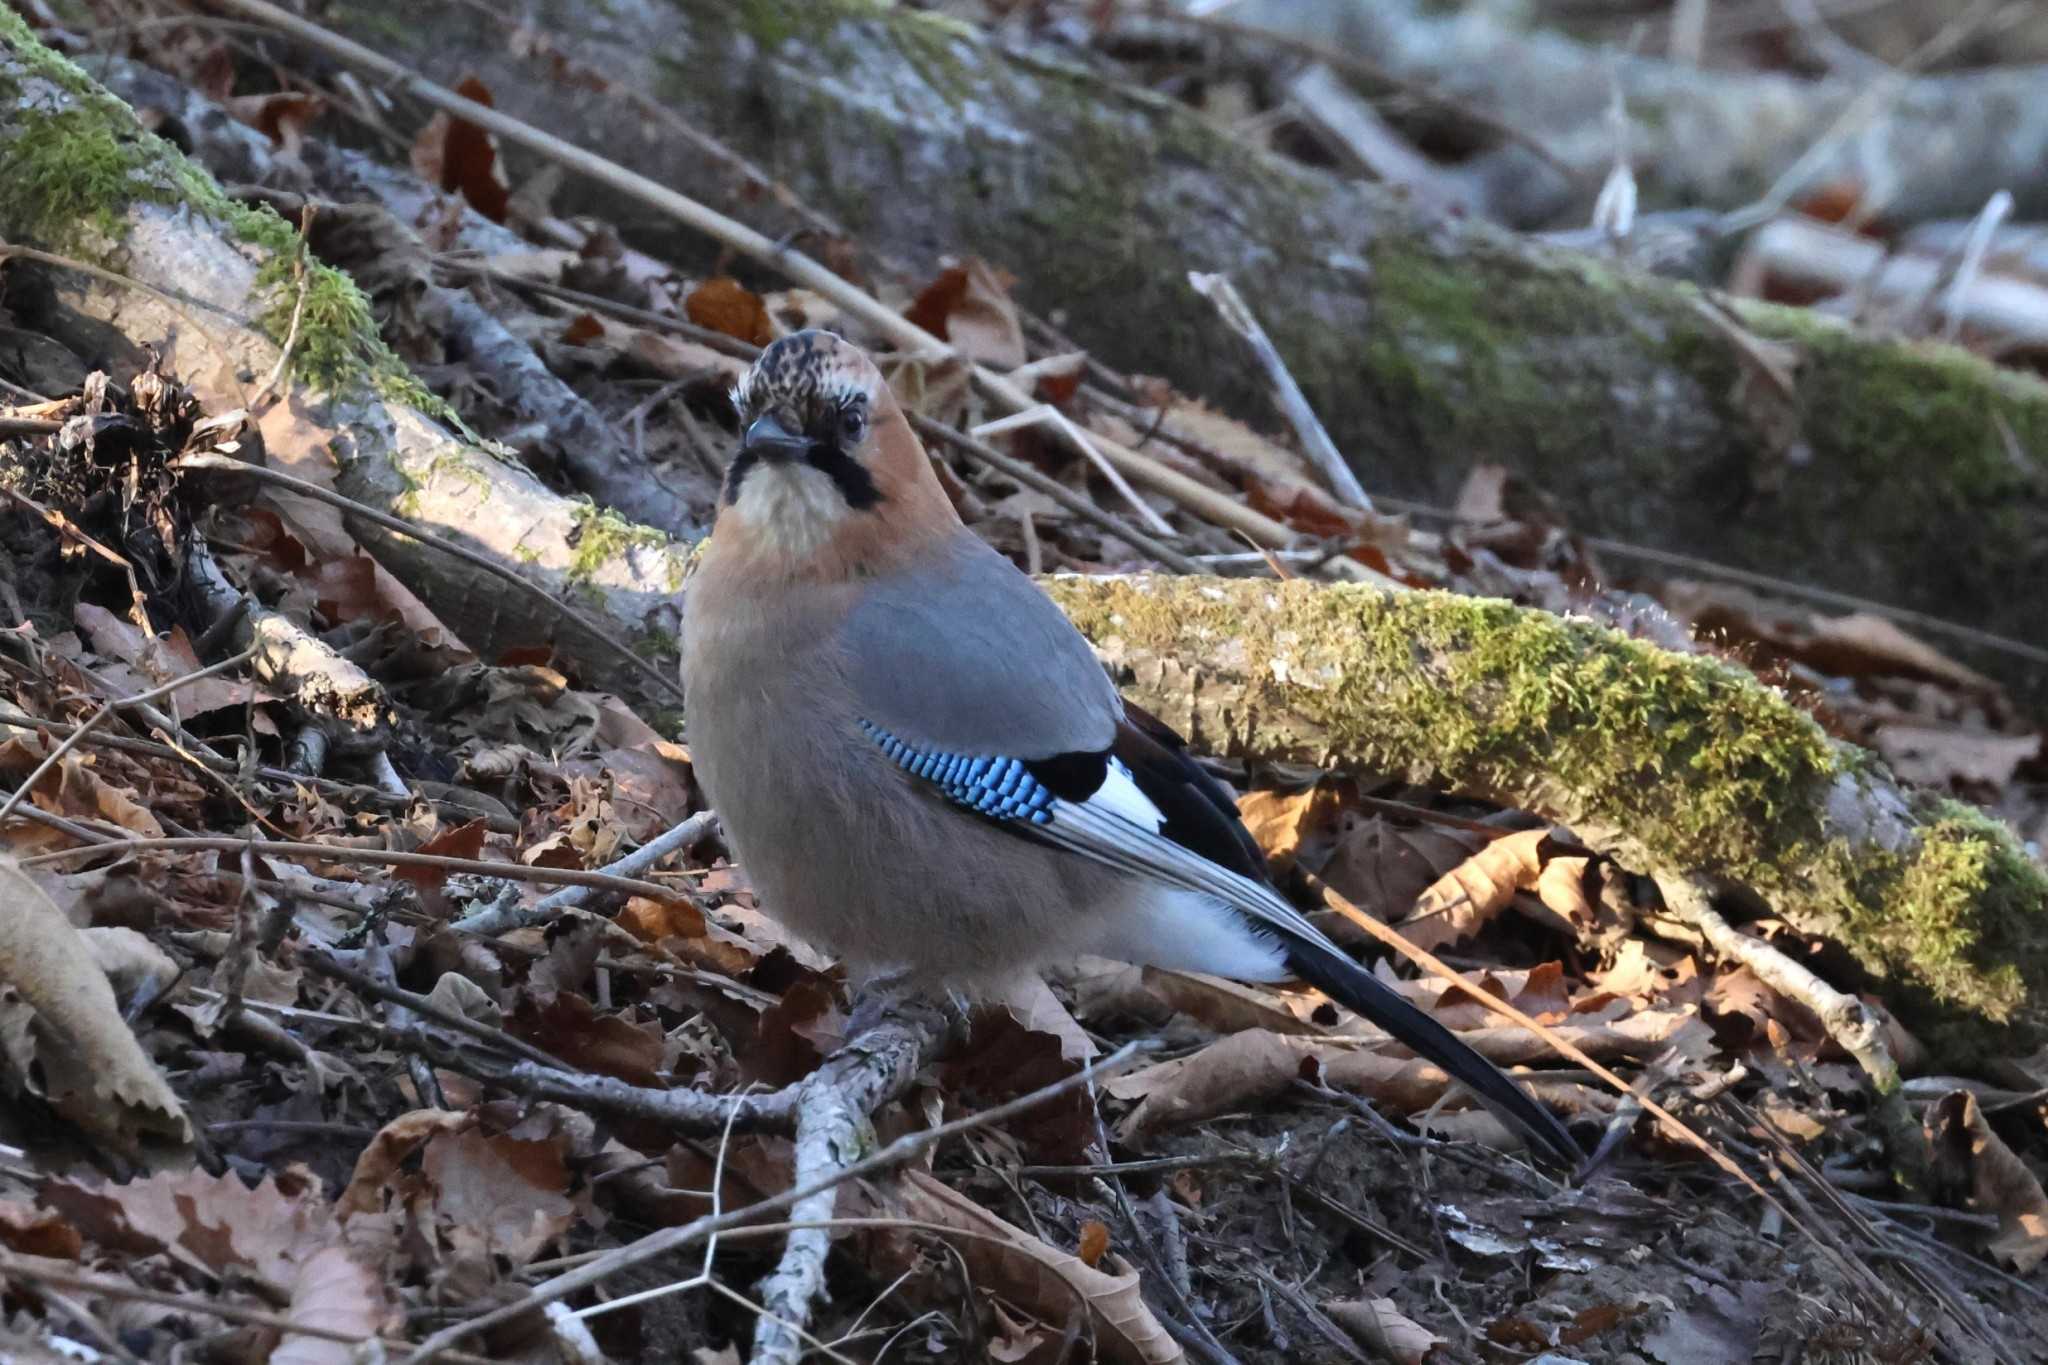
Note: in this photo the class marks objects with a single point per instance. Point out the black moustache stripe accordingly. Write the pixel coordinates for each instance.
(742, 462)
(848, 475)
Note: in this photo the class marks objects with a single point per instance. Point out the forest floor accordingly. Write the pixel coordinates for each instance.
(354, 1081)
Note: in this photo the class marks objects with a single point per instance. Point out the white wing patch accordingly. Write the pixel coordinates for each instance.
(1119, 796)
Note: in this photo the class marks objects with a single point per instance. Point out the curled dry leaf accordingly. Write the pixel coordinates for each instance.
(1257, 1066)
(1384, 1330)
(497, 1195)
(93, 1070)
(459, 156)
(1476, 890)
(1047, 1282)
(1037, 1010)
(1970, 1154)
(1282, 822)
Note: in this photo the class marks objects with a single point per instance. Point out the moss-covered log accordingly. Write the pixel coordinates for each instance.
(212, 287)
(1675, 763)
(1425, 345)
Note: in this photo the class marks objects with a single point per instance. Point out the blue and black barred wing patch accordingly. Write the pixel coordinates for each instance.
(999, 788)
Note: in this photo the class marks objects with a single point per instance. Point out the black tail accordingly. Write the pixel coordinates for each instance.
(1355, 988)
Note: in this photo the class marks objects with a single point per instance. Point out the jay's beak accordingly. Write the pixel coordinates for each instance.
(771, 441)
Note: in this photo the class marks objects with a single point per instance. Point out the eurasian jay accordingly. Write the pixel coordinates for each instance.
(919, 761)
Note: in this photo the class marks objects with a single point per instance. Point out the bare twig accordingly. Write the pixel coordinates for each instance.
(1859, 1029)
(506, 913)
(71, 741)
(832, 1108)
(1287, 395)
(291, 335)
(336, 853)
(794, 265)
(667, 1240)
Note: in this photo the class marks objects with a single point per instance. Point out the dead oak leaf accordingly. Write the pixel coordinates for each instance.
(1471, 894)
(1970, 1154)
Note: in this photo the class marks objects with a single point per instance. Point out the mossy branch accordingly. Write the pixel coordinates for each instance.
(1677, 764)
(212, 287)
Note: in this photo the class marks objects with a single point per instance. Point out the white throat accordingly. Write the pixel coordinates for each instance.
(791, 508)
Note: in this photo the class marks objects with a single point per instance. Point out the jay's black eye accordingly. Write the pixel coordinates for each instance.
(853, 424)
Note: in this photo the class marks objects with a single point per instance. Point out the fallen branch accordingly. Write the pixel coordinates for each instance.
(1674, 764)
(1856, 1027)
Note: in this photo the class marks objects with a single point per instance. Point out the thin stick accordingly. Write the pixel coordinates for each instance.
(201, 1303)
(1442, 970)
(70, 741)
(291, 332)
(223, 464)
(273, 848)
(1045, 414)
(668, 1240)
(1293, 403)
(496, 919)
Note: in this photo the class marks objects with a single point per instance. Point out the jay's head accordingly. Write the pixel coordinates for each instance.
(826, 464)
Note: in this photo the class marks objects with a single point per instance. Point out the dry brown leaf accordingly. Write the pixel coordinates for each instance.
(1094, 1241)
(376, 1172)
(1283, 822)
(1475, 891)
(1944, 755)
(74, 788)
(93, 1070)
(281, 1232)
(457, 155)
(280, 115)
(148, 661)
(1037, 1010)
(1384, 1329)
(1383, 867)
(1971, 1154)
(725, 305)
(1253, 1067)
(497, 1195)
(1043, 1280)
(336, 1292)
(969, 305)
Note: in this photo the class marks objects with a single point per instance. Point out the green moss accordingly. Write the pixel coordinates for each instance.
(78, 159)
(1681, 762)
(599, 537)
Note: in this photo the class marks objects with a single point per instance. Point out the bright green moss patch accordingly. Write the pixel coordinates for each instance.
(1677, 763)
(601, 536)
(78, 159)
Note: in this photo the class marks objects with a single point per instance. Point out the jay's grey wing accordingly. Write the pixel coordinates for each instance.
(1144, 807)
(969, 657)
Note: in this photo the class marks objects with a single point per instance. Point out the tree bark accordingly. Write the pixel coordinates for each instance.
(1426, 345)
(1675, 763)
